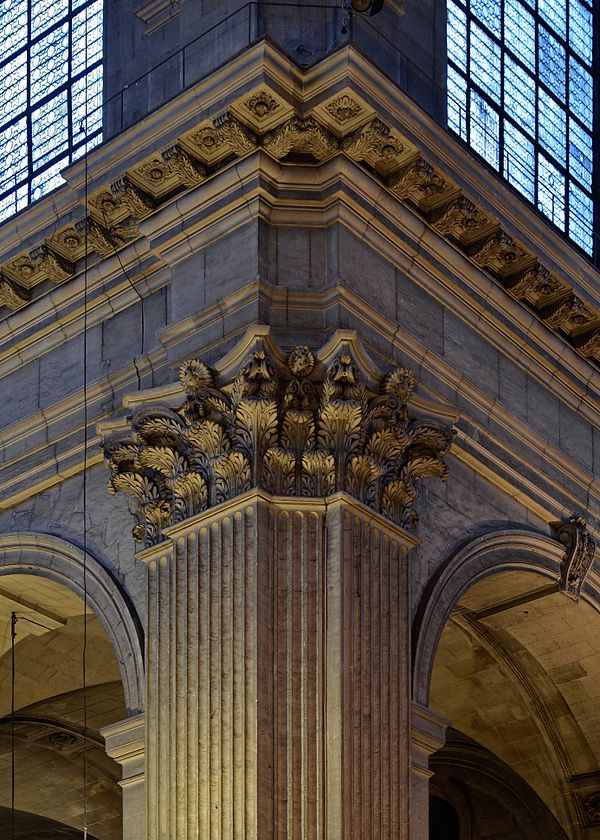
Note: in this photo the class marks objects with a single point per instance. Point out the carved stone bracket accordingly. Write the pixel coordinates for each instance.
(579, 554)
(10, 294)
(295, 427)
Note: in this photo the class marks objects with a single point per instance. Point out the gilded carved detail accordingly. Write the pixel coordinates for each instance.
(568, 315)
(189, 172)
(500, 253)
(536, 283)
(580, 551)
(132, 198)
(462, 220)
(420, 184)
(298, 429)
(53, 267)
(301, 135)
(10, 295)
(343, 123)
(377, 144)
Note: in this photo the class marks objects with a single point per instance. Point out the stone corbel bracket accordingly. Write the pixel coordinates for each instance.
(343, 123)
(580, 551)
(305, 424)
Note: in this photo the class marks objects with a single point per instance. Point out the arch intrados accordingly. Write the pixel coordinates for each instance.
(505, 550)
(45, 555)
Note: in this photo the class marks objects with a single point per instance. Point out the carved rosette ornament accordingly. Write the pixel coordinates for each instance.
(293, 429)
(580, 550)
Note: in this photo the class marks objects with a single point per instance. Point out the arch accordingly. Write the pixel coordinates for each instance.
(61, 561)
(499, 551)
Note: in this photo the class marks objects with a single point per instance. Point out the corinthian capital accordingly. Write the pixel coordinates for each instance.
(304, 425)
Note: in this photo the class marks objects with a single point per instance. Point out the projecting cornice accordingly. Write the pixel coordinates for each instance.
(306, 425)
(292, 127)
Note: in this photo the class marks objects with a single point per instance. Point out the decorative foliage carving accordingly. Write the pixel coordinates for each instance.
(294, 430)
(189, 171)
(418, 182)
(568, 314)
(535, 283)
(233, 132)
(376, 144)
(135, 200)
(300, 135)
(52, 266)
(262, 104)
(462, 219)
(580, 550)
(344, 108)
(500, 253)
(10, 295)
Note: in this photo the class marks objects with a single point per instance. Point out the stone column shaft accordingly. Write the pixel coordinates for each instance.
(277, 668)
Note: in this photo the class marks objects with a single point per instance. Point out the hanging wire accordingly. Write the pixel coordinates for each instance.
(13, 636)
(85, 451)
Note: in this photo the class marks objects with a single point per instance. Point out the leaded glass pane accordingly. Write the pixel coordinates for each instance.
(13, 142)
(49, 62)
(13, 25)
(484, 128)
(555, 15)
(485, 62)
(519, 160)
(551, 126)
(457, 103)
(519, 95)
(519, 32)
(580, 25)
(13, 87)
(457, 32)
(50, 180)
(49, 130)
(551, 191)
(581, 213)
(580, 92)
(46, 13)
(580, 154)
(50, 93)
(525, 69)
(488, 12)
(87, 37)
(87, 105)
(551, 56)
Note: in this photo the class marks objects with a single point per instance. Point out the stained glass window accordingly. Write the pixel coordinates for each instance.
(520, 93)
(50, 93)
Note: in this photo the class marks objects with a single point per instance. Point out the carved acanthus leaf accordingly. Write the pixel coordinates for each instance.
(534, 283)
(580, 551)
(500, 253)
(241, 140)
(190, 172)
(11, 295)
(303, 136)
(291, 429)
(462, 219)
(568, 314)
(376, 144)
(419, 182)
(55, 268)
(135, 200)
(95, 235)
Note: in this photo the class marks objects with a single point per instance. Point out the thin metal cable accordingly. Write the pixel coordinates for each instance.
(13, 636)
(85, 455)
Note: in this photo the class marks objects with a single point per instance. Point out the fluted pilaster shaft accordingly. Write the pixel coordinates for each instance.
(278, 674)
